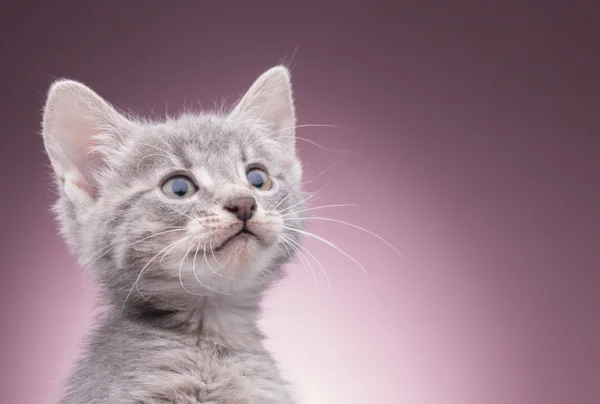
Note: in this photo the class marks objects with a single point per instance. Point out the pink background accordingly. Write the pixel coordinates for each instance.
(473, 148)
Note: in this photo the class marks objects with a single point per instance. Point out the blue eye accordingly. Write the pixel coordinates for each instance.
(259, 179)
(179, 187)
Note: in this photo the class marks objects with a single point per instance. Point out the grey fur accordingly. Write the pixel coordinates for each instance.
(168, 335)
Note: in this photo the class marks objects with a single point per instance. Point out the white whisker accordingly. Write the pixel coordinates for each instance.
(309, 181)
(329, 243)
(213, 253)
(135, 242)
(343, 205)
(167, 252)
(359, 228)
(206, 286)
(303, 260)
(281, 201)
(194, 266)
(315, 259)
(314, 194)
(290, 255)
(181, 266)
(313, 125)
(146, 266)
(270, 134)
(211, 268)
(189, 217)
(313, 143)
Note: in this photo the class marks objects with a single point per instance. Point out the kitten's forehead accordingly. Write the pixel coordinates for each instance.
(211, 146)
(211, 134)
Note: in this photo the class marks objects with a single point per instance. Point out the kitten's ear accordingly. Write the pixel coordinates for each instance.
(269, 102)
(76, 122)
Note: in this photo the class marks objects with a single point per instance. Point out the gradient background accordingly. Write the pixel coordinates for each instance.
(474, 149)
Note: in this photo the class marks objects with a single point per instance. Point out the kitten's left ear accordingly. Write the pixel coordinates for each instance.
(269, 102)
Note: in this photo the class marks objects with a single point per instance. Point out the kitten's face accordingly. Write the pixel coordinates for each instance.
(196, 206)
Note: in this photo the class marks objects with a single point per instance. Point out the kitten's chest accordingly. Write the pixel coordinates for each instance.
(194, 375)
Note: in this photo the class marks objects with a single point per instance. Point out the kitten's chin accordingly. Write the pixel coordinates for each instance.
(241, 252)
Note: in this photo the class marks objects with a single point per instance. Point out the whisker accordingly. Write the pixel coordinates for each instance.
(303, 260)
(146, 266)
(281, 201)
(329, 243)
(194, 266)
(314, 194)
(343, 205)
(213, 253)
(311, 125)
(315, 259)
(309, 181)
(164, 256)
(135, 242)
(206, 286)
(221, 266)
(290, 255)
(300, 127)
(167, 253)
(313, 143)
(359, 228)
(215, 272)
(181, 266)
(189, 217)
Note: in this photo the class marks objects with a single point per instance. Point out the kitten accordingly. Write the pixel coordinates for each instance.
(184, 224)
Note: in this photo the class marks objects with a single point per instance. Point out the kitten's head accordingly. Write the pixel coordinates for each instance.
(194, 206)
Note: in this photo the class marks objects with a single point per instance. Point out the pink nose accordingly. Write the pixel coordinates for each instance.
(242, 207)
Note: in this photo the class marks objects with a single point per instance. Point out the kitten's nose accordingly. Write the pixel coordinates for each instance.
(243, 207)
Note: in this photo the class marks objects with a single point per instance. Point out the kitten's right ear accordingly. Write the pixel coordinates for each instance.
(76, 122)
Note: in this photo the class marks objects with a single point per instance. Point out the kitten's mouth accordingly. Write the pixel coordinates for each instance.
(244, 233)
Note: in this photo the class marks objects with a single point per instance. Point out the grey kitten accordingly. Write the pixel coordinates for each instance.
(185, 223)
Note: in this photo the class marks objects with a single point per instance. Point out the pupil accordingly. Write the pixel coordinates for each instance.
(180, 187)
(256, 179)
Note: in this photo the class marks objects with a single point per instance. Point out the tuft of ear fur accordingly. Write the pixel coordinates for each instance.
(77, 124)
(269, 103)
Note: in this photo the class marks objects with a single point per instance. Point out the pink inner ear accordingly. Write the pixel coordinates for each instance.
(76, 140)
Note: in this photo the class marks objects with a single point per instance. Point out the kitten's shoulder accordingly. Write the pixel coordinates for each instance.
(117, 353)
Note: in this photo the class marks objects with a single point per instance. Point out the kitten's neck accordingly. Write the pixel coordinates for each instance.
(226, 322)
